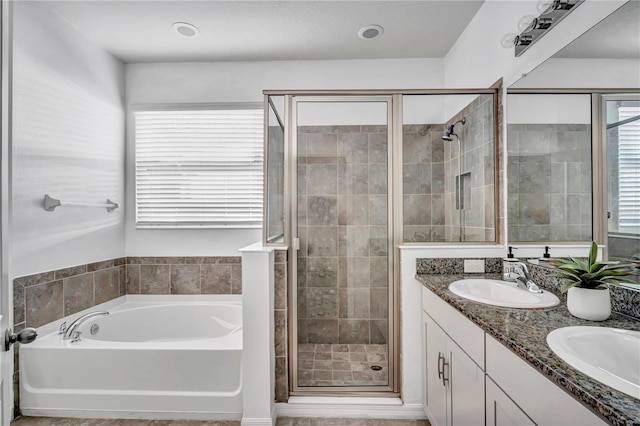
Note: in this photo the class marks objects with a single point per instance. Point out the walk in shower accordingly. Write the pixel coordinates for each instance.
(350, 177)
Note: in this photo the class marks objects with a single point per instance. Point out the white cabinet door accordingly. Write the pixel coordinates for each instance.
(454, 383)
(466, 383)
(434, 349)
(501, 410)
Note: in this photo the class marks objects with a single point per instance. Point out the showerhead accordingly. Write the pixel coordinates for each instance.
(449, 132)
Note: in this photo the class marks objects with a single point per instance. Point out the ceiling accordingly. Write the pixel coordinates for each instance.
(141, 31)
(615, 37)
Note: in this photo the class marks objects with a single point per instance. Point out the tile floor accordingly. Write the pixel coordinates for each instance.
(282, 421)
(342, 365)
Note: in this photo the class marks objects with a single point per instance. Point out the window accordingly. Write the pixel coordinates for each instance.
(199, 168)
(629, 169)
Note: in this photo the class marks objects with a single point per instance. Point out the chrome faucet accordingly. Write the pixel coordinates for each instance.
(71, 332)
(520, 275)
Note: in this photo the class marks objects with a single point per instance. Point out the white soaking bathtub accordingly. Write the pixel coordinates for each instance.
(163, 357)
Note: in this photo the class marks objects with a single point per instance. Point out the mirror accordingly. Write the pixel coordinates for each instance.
(605, 57)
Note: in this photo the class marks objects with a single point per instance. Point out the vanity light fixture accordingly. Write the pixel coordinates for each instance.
(185, 29)
(533, 28)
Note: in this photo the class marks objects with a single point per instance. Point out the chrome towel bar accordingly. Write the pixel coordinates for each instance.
(50, 204)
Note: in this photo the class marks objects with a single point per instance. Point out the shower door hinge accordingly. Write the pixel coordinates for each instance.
(296, 243)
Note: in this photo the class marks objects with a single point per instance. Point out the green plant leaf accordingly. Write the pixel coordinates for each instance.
(593, 253)
(568, 284)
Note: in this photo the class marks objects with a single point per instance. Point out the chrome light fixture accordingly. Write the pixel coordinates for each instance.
(532, 28)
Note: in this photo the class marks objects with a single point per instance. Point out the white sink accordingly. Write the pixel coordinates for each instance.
(502, 293)
(608, 355)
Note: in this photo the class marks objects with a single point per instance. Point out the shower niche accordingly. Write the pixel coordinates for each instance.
(354, 176)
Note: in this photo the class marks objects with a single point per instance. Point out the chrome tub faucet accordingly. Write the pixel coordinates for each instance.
(71, 332)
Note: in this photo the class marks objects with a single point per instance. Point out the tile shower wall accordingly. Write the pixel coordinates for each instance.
(549, 182)
(342, 226)
(280, 330)
(478, 174)
(423, 183)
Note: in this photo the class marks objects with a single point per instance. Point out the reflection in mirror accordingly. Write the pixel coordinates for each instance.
(623, 174)
(549, 168)
(274, 171)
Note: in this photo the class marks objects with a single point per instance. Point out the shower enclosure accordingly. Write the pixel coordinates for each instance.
(350, 177)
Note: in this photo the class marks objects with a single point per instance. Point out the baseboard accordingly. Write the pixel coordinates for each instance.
(372, 408)
(257, 421)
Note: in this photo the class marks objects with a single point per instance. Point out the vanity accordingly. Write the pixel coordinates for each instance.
(493, 363)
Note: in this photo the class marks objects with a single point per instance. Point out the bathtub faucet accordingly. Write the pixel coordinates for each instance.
(71, 332)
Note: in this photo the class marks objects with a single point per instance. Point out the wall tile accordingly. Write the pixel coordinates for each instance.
(91, 267)
(44, 303)
(321, 331)
(322, 210)
(68, 272)
(353, 331)
(185, 279)
(78, 293)
(133, 279)
(18, 302)
(216, 279)
(155, 279)
(236, 279)
(322, 302)
(107, 285)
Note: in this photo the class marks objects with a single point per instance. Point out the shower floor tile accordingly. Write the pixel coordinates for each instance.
(342, 365)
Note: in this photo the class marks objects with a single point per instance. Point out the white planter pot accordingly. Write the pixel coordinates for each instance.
(589, 304)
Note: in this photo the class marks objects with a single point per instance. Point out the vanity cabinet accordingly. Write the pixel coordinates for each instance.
(501, 410)
(458, 358)
(454, 383)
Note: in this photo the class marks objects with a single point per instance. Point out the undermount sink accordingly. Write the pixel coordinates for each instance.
(502, 293)
(608, 355)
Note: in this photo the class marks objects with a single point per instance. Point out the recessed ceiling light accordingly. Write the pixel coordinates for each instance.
(185, 29)
(370, 32)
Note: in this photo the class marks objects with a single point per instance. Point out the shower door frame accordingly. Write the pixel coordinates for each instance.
(394, 179)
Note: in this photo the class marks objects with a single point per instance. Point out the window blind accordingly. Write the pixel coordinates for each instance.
(199, 168)
(629, 168)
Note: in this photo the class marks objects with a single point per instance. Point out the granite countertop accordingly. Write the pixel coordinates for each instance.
(524, 331)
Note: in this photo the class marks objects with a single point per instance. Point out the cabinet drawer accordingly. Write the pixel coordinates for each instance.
(465, 333)
(543, 401)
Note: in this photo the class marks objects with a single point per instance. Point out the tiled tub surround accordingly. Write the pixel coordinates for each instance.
(549, 182)
(524, 332)
(45, 297)
(41, 298)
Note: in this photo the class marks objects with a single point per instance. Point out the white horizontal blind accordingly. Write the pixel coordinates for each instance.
(629, 168)
(199, 168)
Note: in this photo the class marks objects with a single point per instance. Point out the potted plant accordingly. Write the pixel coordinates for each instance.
(587, 283)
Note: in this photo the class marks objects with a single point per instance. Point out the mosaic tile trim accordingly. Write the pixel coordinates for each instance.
(524, 333)
(492, 265)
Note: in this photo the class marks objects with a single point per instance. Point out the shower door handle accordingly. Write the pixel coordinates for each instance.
(296, 243)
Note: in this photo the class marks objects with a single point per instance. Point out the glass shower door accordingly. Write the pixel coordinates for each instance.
(343, 275)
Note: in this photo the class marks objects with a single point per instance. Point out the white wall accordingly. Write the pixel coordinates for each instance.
(244, 82)
(549, 109)
(583, 73)
(68, 142)
(477, 59)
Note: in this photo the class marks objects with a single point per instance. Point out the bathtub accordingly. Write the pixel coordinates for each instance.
(164, 357)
